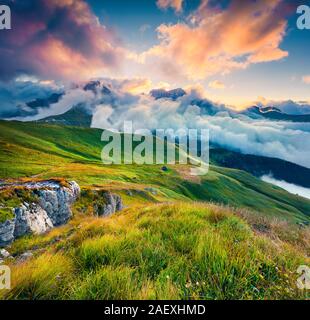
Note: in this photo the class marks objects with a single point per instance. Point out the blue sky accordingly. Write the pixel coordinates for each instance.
(136, 22)
(128, 17)
(234, 50)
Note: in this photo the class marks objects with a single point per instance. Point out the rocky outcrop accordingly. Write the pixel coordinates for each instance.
(50, 206)
(112, 204)
(51, 209)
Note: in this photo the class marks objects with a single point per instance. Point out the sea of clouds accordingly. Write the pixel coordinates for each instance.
(230, 129)
(290, 187)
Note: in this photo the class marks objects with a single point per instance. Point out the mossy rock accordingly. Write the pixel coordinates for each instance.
(11, 198)
(90, 201)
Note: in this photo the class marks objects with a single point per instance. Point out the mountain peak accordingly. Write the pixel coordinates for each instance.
(95, 86)
(76, 116)
(167, 94)
(273, 113)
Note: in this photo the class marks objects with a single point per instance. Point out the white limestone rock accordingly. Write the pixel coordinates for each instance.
(52, 209)
(33, 219)
(7, 232)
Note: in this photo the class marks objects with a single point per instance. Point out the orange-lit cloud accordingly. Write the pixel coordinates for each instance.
(306, 79)
(175, 4)
(216, 84)
(217, 41)
(136, 86)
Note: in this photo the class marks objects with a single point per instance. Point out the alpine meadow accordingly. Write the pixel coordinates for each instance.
(154, 150)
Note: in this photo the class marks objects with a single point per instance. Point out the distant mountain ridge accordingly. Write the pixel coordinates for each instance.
(273, 113)
(96, 86)
(99, 87)
(78, 115)
(260, 165)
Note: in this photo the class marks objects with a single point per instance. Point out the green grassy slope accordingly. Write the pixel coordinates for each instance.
(76, 116)
(33, 150)
(168, 243)
(162, 251)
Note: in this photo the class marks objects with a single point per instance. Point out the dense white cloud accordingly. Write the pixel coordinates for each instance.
(290, 187)
(285, 140)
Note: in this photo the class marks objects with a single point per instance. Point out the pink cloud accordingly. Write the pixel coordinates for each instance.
(175, 4)
(58, 38)
(306, 79)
